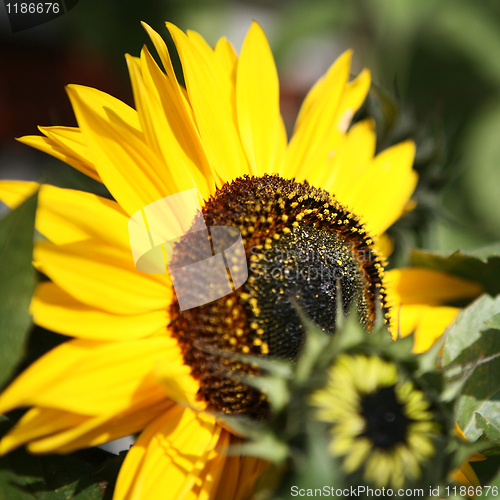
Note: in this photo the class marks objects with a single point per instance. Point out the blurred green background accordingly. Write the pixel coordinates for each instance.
(440, 59)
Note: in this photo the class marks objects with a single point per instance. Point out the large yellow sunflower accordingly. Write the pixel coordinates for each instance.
(134, 363)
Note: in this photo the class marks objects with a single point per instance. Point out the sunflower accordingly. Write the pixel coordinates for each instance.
(380, 422)
(137, 362)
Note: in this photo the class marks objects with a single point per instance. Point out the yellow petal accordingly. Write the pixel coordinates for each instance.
(135, 456)
(101, 429)
(168, 457)
(128, 167)
(48, 430)
(459, 433)
(326, 154)
(179, 94)
(71, 139)
(103, 276)
(105, 106)
(257, 103)
(92, 378)
(354, 95)
(380, 195)
(181, 142)
(156, 123)
(227, 58)
(161, 48)
(384, 245)
(231, 469)
(239, 473)
(425, 286)
(67, 216)
(54, 309)
(13, 193)
(70, 145)
(179, 385)
(65, 144)
(465, 475)
(315, 123)
(212, 97)
(227, 477)
(427, 322)
(349, 161)
(39, 422)
(205, 486)
(475, 457)
(318, 93)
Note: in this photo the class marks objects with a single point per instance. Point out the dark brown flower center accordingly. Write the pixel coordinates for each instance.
(386, 423)
(301, 247)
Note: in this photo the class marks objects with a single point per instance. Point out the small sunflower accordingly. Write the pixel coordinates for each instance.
(135, 362)
(381, 423)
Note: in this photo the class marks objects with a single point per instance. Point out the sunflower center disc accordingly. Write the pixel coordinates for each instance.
(386, 424)
(302, 248)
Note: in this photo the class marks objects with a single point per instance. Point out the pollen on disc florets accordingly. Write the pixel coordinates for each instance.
(301, 246)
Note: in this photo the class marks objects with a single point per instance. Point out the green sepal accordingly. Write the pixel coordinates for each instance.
(274, 387)
(266, 447)
(316, 342)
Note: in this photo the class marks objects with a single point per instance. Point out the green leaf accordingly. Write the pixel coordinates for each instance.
(491, 429)
(427, 361)
(17, 277)
(468, 327)
(494, 492)
(481, 265)
(29, 477)
(485, 253)
(86, 475)
(494, 322)
(481, 391)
